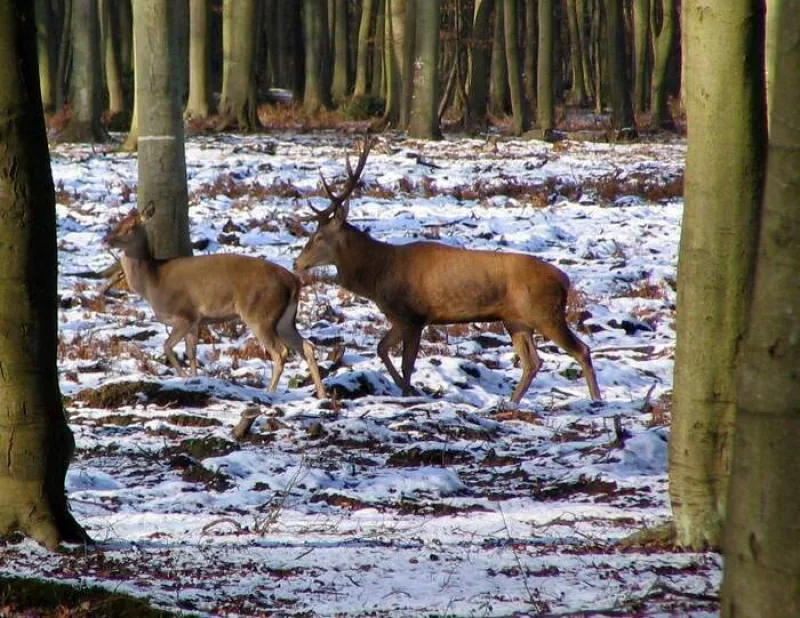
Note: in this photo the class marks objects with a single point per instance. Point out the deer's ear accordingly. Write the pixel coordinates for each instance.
(148, 211)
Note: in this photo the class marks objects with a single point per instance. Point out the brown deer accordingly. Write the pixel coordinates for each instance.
(423, 283)
(186, 292)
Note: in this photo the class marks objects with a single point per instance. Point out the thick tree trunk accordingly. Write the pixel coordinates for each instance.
(577, 95)
(395, 35)
(725, 115)
(340, 84)
(425, 107)
(511, 26)
(362, 57)
(378, 88)
(237, 106)
(662, 45)
(35, 441)
(762, 532)
(544, 70)
(85, 82)
(622, 120)
(162, 162)
(478, 65)
(315, 96)
(131, 143)
(125, 20)
(199, 89)
(641, 53)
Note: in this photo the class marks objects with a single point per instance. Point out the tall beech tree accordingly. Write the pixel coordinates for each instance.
(726, 119)
(35, 440)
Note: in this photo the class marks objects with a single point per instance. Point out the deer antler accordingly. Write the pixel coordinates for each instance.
(350, 184)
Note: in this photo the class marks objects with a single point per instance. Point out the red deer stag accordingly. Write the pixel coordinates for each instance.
(186, 292)
(423, 283)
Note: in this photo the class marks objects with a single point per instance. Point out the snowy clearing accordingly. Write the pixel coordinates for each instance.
(450, 503)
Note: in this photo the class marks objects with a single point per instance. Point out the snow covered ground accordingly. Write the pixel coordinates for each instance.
(452, 503)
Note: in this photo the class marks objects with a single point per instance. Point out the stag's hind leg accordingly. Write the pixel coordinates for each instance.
(562, 336)
(522, 339)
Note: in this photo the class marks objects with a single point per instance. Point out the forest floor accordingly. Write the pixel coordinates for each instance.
(449, 503)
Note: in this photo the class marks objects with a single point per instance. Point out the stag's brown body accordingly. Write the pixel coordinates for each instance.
(185, 292)
(423, 283)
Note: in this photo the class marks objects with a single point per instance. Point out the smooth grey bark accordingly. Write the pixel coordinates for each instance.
(35, 440)
(520, 120)
(762, 532)
(85, 80)
(362, 56)
(340, 83)
(197, 105)
(663, 43)
(162, 161)
(425, 104)
(544, 70)
(396, 33)
(725, 114)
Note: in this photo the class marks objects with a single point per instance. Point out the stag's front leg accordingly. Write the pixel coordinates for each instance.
(411, 337)
(181, 327)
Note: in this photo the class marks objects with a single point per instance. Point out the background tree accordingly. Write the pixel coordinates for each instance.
(514, 71)
(726, 116)
(762, 535)
(498, 82)
(35, 440)
(529, 59)
(85, 78)
(109, 35)
(362, 58)
(622, 119)
(45, 45)
(199, 86)
(577, 95)
(662, 26)
(162, 161)
(641, 54)
(477, 80)
(425, 107)
(340, 84)
(316, 95)
(544, 68)
(240, 30)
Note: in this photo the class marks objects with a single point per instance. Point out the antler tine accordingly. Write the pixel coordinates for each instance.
(350, 184)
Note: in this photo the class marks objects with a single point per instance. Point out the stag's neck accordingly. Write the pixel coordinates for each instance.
(362, 262)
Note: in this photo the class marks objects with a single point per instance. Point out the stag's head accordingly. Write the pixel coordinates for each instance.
(321, 248)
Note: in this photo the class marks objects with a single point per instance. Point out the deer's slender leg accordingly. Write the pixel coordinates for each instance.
(562, 336)
(190, 340)
(389, 340)
(180, 329)
(411, 336)
(526, 350)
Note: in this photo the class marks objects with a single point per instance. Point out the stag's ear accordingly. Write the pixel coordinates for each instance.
(148, 211)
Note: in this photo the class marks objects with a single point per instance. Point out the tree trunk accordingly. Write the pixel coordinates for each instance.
(35, 440)
(45, 35)
(116, 100)
(762, 535)
(641, 50)
(199, 89)
(362, 59)
(662, 45)
(85, 82)
(577, 94)
(478, 65)
(583, 42)
(237, 105)
(315, 96)
(544, 70)
(63, 56)
(340, 84)
(378, 88)
(131, 142)
(125, 20)
(395, 36)
(725, 114)
(162, 162)
(407, 73)
(498, 82)
(529, 61)
(511, 27)
(622, 120)
(773, 7)
(425, 108)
